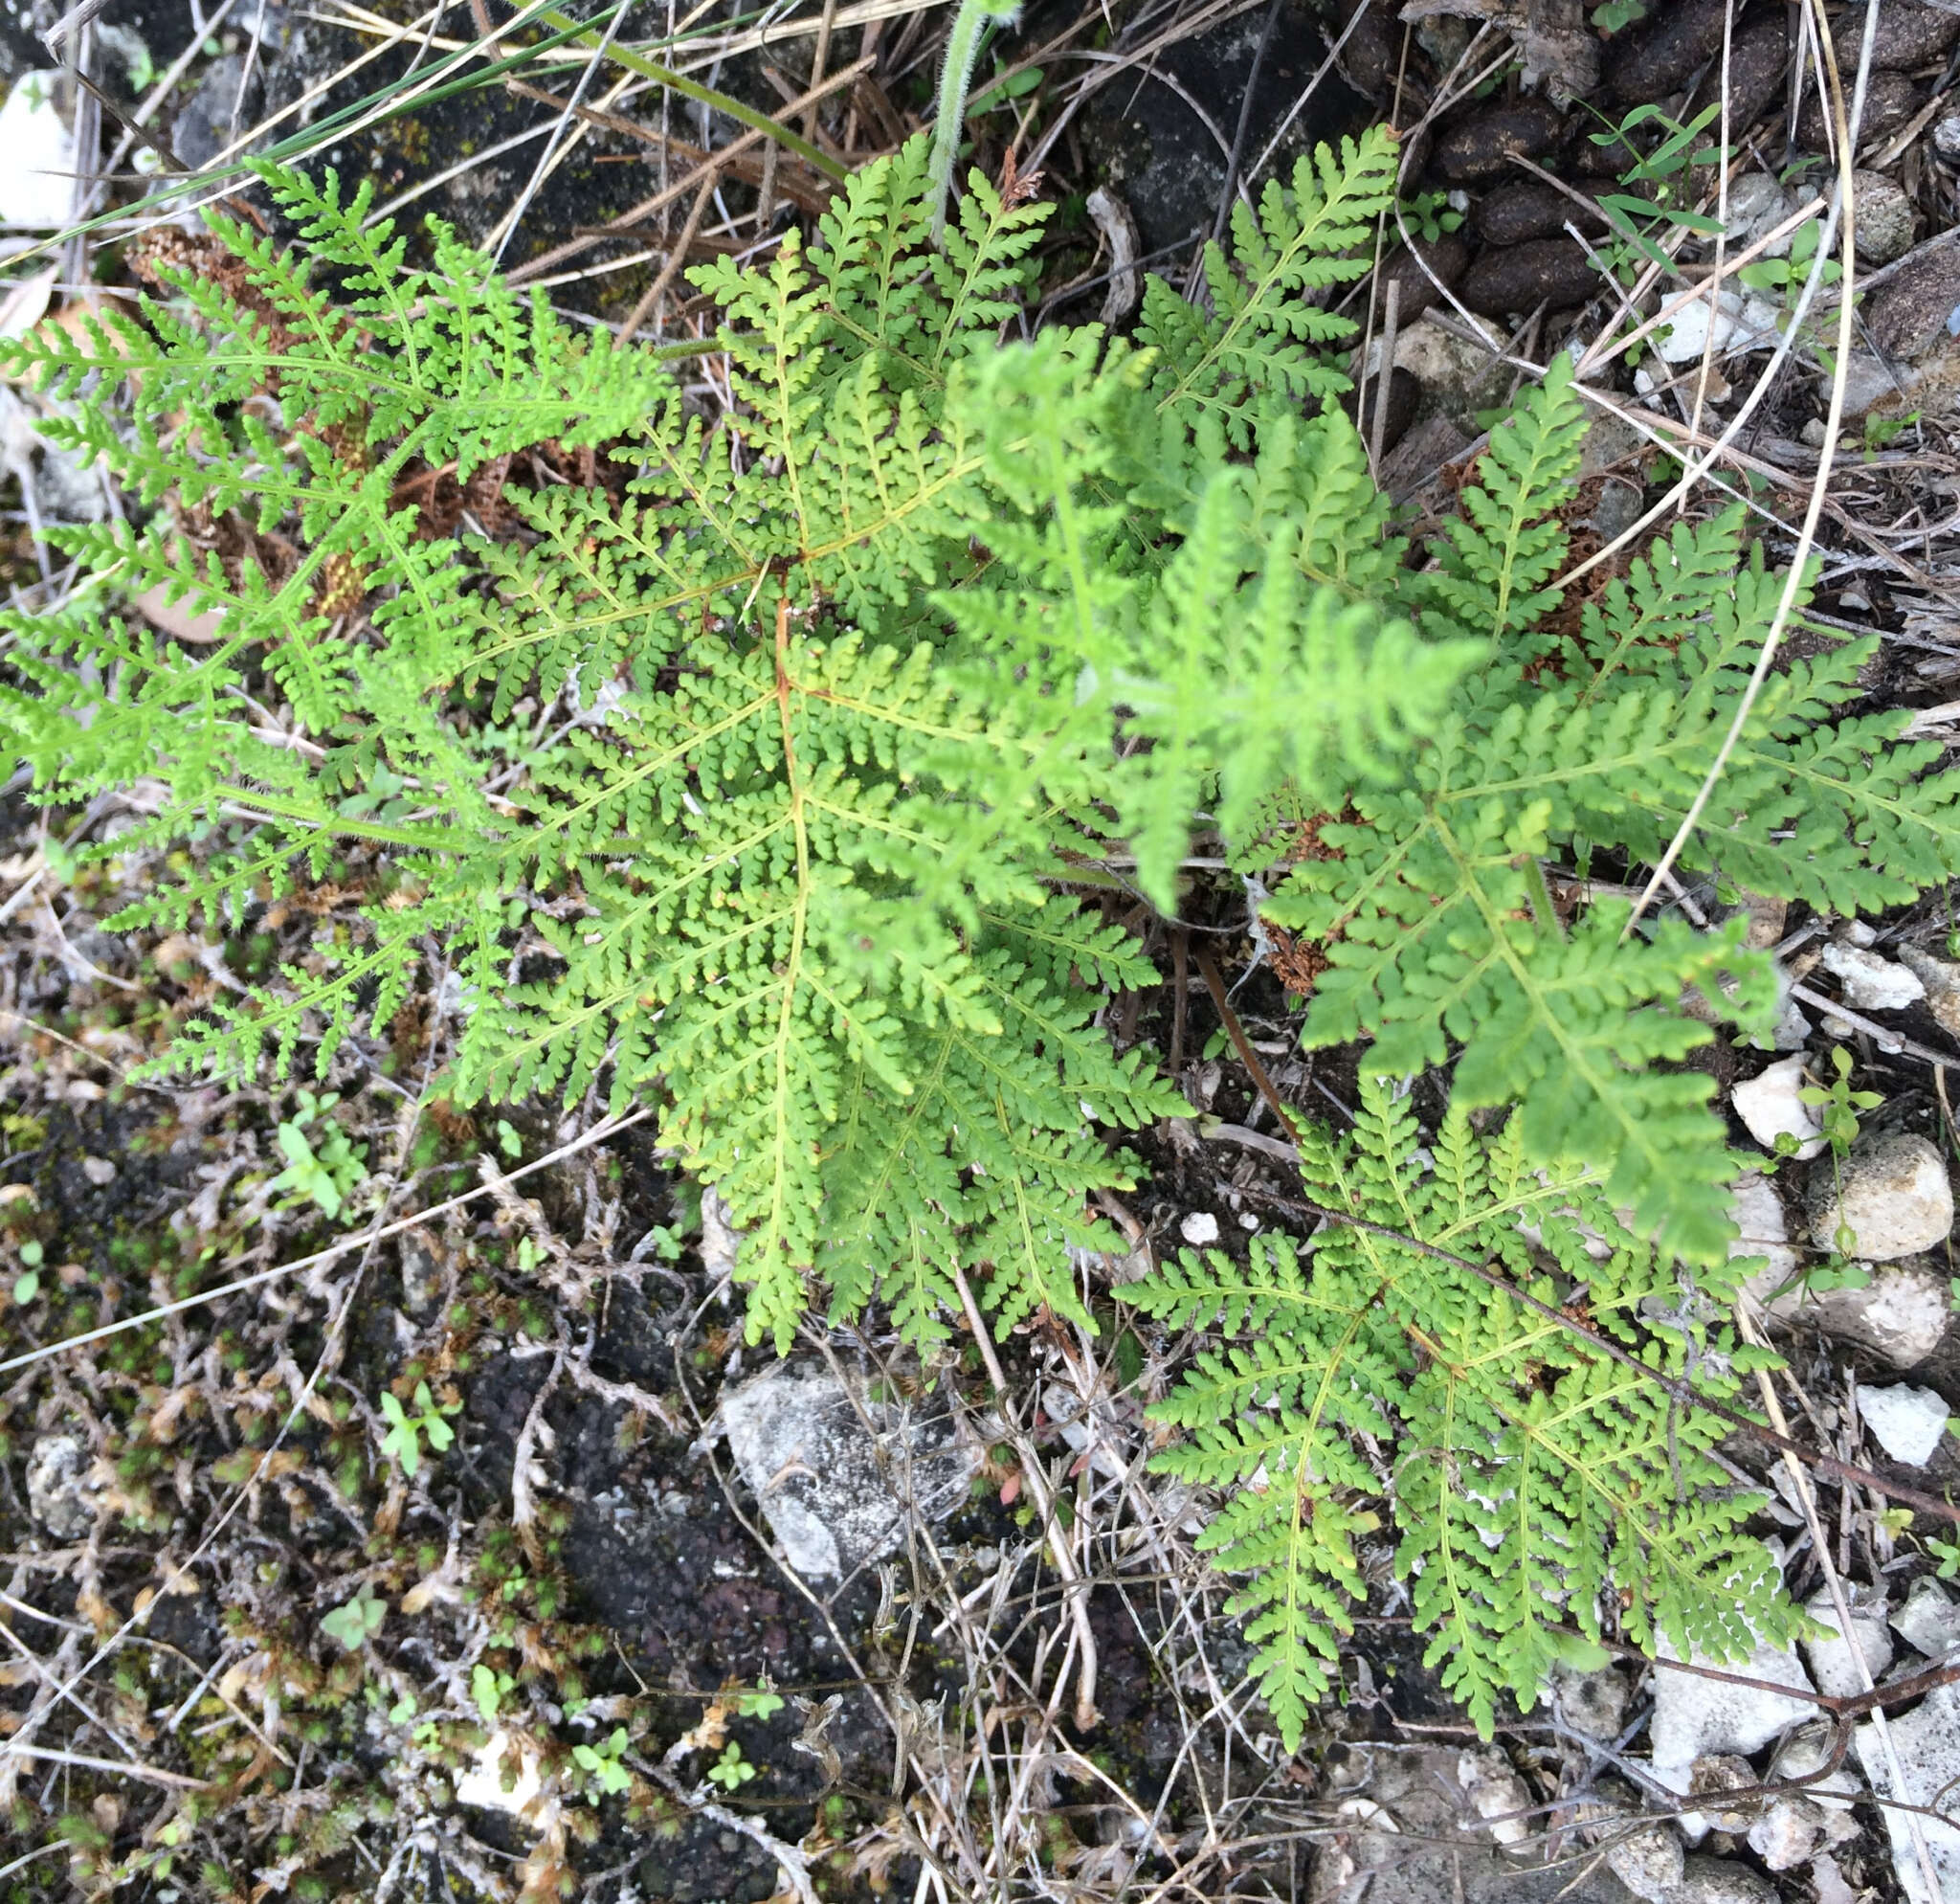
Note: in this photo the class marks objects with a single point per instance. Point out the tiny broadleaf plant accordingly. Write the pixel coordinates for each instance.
(755, 766)
(408, 1427)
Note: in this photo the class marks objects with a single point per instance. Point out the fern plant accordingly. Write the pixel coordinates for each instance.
(752, 763)
(1535, 1481)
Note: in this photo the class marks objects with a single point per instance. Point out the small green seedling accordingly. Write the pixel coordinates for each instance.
(1836, 1106)
(404, 1431)
(489, 1688)
(1636, 218)
(508, 1140)
(1881, 431)
(324, 1167)
(351, 1627)
(1777, 274)
(731, 1770)
(1430, 214)
(27, 1285)
(763, 1703)
(601, 1763)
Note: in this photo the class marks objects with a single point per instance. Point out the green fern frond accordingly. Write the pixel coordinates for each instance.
(1536, 1483)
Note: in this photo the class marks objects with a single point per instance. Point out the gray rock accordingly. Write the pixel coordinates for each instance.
(1406, 1829)
(1648, 1860)
(422, 1276)
(1885, 218)
(1895, 1196)
(1694, 1717)
(1871, 983)
(1757, 205)
(1454, 371)
(1947, 138)
(1927, 1743)
(1869, 383)
(66, 490)
(836, 1493)
(60, 1494)
(1929, 1621)
(1902, 1314)
(1721, 1881)
(215, 114)
(1942, 983)
(1610, 444)
(1592, 1703)
(1907, 1422)
(1497, 1795)
(1833, 1665)
(1619, 509)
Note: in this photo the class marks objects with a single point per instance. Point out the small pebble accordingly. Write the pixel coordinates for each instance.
(1199, 1228)
(99, 1170)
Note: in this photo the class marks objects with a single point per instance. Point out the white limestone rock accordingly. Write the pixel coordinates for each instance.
(1942, 983)
(60, 1491)
(1929, 1621)
(1907, 1422)
(1833, 1665)
(1872, 983)
(1694, 1716)
(1756, 1206)
(1902, 1314)
(1927, 1743)
(1648, 1860)
(837, 1495)
(483, 1785)
(37, 181)
(1788, 1832)
(1770, 1106)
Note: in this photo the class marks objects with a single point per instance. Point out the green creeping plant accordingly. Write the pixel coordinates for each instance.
(763, 786)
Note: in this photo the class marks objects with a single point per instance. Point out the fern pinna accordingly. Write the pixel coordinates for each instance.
(748, 761)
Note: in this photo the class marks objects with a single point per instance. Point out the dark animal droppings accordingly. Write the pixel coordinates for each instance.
(1447, 260)
(1482, 146)
(1514, 213)
(1907, 35)
(1758, 64)
(1553, 271)
(1890, 99)
(1660, 56)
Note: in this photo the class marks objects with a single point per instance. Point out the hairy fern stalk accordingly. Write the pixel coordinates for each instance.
(745, 766)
